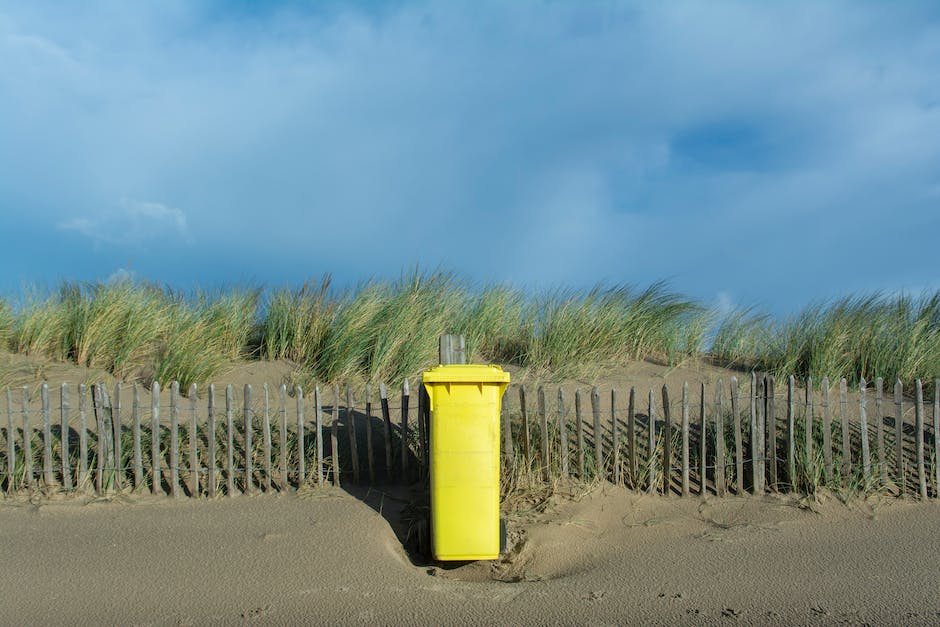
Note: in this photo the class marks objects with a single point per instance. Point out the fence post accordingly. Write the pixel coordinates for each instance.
(598, 435)
(808, 418)
(685, 439)
(27, 438)
(562, 433)
(738, 437)
(880, 424)
(771, 418)
(405, 396)
(318, 416)
(194, 466)
(846, 431)
(863, 420)
(827, 429)
(387, 418)
(230, 443)
(667, 442)
(282, 436)
(117, 447)
(156, 481)
(11, 445)
(82, 437)
(48, 474)
(936, 438)
(369, 449)
(334, 437)
(135, 435)
(64, 436)
(651, 412)
(615, 435)
(174, 438)
(703, 444)
(721, 483)
(266, 437)
(210, 441)
(351, 432)
(546, 447)
(919, 425)
(526, 437)
(631, 437)
(899, 433)
(579, 429)
(756, 452)
(791, 432)
(301, 441)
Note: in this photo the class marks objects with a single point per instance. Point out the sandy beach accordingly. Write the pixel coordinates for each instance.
(609, 557)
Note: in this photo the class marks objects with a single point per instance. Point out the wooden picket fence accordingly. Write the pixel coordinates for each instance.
(224, 441)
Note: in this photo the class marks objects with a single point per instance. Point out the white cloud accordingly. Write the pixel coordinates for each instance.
(135, 223)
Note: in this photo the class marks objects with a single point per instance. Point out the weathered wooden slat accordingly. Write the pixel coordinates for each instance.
(230, 443)
(756, 451)
(110, 461)
(175, 438)
(194, 466)
(420, 450)
(545, 437)
(27, 439)
(579, 430)
(248, 413)
(508, 452)
(721, 483)
(11, 445)
(667, 441)
(351, 432)
(827, 429)
(266, 438)
(808, 420)
(387, 419)
(370, 453)
(880, 426)
(101, 439)
(863, 422)
(651, 412)
(919, 435)
(791, 432)
(703, 444)
(211, 482)
(899, 434)
(334, 437)
(631, 438)
(936, 438)
(599, 458)
(117, 446)
(615, 437)
(685, 439)
(846, 431)
(156, 480)
(135, 435)
(318, 416)
(405, 399)
(738, 437)
(526, 436)
(82, 437)
(47, 470)
(563, 433)
(282, 437)
(64, 436)
(301, 441)
(771, 416)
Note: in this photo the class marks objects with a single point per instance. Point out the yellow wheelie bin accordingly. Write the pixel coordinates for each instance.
(464, 460)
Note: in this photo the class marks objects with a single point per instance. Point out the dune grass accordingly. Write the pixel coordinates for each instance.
(856, 336)
(387, 330)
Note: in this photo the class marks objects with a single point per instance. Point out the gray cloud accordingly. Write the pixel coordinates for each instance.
(717, 144)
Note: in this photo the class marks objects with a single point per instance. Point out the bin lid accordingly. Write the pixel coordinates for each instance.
(470, 373)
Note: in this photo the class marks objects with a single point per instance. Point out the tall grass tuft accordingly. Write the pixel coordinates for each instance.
(856, 336)
(296, 321)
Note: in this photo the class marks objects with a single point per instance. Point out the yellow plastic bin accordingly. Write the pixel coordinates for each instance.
(465, 404)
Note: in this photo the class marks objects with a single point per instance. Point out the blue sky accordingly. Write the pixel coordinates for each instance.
(750, 153)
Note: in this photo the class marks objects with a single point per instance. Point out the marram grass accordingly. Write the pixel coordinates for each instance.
(387, 330)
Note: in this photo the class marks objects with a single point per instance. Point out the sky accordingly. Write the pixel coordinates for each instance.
(768, 154)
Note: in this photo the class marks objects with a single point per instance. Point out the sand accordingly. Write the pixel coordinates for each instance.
(610, 557)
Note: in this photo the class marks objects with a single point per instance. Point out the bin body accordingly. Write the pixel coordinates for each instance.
(464, 460)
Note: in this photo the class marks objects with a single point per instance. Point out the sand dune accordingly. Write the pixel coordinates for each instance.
(612, 557)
